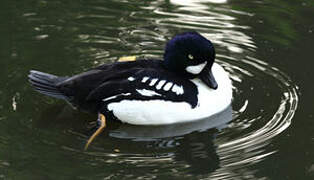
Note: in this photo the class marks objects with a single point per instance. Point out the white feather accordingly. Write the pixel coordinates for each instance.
(168, 86)
(177, 89)
(159, 85)
(146, 92)
(131, 78)
(112, 97)
(144, 79)
(153, 81)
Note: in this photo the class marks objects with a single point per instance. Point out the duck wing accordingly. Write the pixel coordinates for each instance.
(139, 80)
(145, 84)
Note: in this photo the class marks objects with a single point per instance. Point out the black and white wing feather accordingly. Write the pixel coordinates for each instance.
(146, 84)
(138, 80)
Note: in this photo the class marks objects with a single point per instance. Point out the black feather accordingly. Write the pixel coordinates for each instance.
(89, 89)
(47, 84)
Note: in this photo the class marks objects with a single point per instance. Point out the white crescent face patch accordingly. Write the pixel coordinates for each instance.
(196, 69)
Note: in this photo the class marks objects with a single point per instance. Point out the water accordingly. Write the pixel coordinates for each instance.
(265, 46)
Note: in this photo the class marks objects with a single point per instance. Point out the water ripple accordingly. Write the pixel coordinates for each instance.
(253, 141)
(264, 98)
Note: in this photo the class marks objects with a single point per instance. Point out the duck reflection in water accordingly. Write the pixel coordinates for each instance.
(189, 144)
(193, 142)
(199, 151)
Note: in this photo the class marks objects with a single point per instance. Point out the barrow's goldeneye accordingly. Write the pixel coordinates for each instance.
(187, 85)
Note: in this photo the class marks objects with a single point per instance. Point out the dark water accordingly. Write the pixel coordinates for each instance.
(266, 46)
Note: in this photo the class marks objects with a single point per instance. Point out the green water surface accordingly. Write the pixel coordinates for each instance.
(266, 46)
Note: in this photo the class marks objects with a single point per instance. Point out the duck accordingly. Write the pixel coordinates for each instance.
(185, 86)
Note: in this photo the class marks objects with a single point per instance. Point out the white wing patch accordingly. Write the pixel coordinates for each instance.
(160, 84)
(112, 97)
(146, 92)
(177, 89)
(168, 86)
(131, 78)
(144, 79)
(153, 81)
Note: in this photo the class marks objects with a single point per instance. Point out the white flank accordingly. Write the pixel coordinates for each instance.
(153, 81)
(168, 86)
(196, 69)
(145, 79)
(158, 112)
(131, 78)
(160, 84)
(146, 92)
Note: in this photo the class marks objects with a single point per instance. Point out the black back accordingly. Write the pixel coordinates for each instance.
(94, 89)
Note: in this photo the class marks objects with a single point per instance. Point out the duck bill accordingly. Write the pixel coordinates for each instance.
(208, 78)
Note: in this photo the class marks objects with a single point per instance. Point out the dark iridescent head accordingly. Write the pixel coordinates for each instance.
(191, 55)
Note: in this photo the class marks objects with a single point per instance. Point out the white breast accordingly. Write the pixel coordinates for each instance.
(158, 112)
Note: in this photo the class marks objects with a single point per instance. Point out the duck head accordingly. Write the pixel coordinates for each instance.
(191, 55)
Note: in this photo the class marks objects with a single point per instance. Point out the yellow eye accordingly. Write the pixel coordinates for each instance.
(190, 56)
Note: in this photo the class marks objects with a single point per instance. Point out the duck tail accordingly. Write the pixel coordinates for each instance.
(46, 84)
